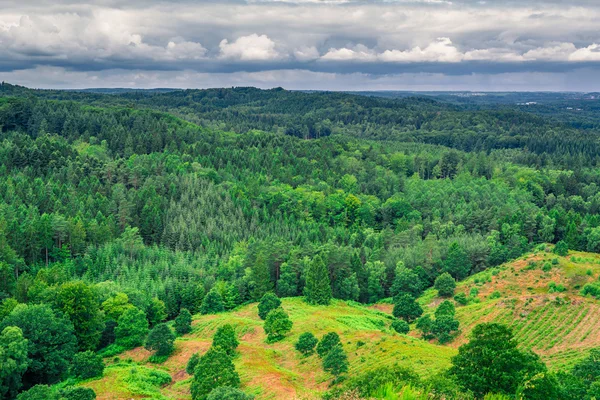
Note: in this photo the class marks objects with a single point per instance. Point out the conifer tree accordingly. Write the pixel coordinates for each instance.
(318, 288)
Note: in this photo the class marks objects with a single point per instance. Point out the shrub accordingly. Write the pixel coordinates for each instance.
(226, 339)
(461, 299)
(161, 340)
(328, 341)
(495, 295)
(191, 364)
(306, 343)
(445, 285)
(474, 292)
(267, 303)
(183, 322)
(554, 288)
(277, 324)
(228, 393)
(546, 267)
(77, 393)
(400, 326)
(591, 289)
(561, 248)
(87, 365)
(406, 308)
(336, 361)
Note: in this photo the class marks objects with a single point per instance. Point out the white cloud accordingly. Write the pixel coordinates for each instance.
(442, 50)
(359, 53)
(553, 52)
(590, 53)
(306, 53)
(250, 48)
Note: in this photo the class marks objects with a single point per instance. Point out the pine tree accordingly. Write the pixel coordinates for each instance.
(214, 369)
(336, 361)
(318, 288)
(213, 303)
(183, 322)
(226, 339)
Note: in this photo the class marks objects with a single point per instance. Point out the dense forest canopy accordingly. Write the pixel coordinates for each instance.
(154, 200)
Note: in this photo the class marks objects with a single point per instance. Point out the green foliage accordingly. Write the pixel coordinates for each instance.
(214, 370)
(132, 328)
(306, 343)
(38, 392)
(13, 361)
(318, 288)
(406, 308)
(228, 393)
(183, 322)
(491, 362)
(406, 281)
(156, 312)
(161, 339)
(145, 381)
(561, 248)
(267, 303)
(445, 285)
(400, 326)
(368, 382)
(277, 325)
(76, 393)
(213, 303)
(589, 368)
(591, 289)
(86, 365)
(50, 339)
(226, 338)
(191, 364)
(457, 262)
(336, 361)
(461, 299)
(328, 342)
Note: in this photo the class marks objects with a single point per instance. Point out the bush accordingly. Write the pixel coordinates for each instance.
(400, 326)
(561, 248)
(183, 322)
(226, 339)
(77, 393)
(161, 340)
(461, 299)
(267, 303)
(336, 361)
(87, 365)
(546, 267)
(406, 308)
(191, 364)
(591, 289)
(554, 288)
(228, 393)
(306, 343)
(277, 324)
(495, 295)
(445, 285)
(329, 341)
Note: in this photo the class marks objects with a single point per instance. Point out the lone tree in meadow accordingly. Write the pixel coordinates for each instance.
(492, 363)
(277, 325)
(318, 288)
(183, 322)
(226, 339)
(306, 343)
(214, 369)
(406, 308)
(445, 285)
(161, 340)
(336, 361)
(328, 342)
(212, 303)
(267, 303)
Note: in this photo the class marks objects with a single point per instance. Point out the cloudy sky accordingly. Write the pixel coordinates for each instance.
(303, 44)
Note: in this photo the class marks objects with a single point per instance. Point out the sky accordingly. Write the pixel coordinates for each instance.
(491, 45)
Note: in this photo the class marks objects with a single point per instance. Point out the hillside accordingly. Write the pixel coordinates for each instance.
(278, 371)
(560, 326)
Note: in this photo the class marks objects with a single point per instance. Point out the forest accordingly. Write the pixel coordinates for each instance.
(120, 212)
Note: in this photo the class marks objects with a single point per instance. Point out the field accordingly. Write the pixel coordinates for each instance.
(278, 371)
(560, 326)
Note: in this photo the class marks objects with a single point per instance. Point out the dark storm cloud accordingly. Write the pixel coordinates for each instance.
(369, 38)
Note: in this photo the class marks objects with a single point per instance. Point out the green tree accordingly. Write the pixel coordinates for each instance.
(191, 364)
(492, 363)
(406, 281)
(457, 262)
(183, 322)
(349, 288)
(76, 393)
(213, 303)
(51, 341)
(287, 284)
(161, 339)
(277, 325)
(445, 285)
(79, 302)
(156, 311)
(336, 361)
(228, 393)
(317, 289)
(214, 370)
(87, 365)
(38, 392)
(116, 305)
(406, 308)
(267, 303)
(400, 326)
(589, 368)
(327, 342)
(306, 343)
(132, 328)
(13, 361)
(561, 248)
(226, 339)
